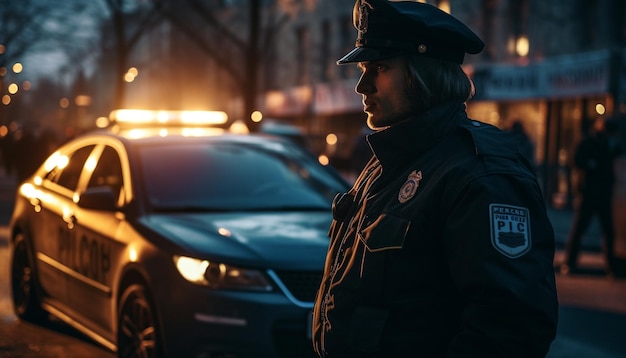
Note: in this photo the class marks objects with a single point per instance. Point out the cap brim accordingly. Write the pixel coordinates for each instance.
(363, 54)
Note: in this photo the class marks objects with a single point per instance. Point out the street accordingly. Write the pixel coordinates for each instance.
(592, 314)
(22, 339)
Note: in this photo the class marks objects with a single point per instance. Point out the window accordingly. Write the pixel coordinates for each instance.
(519, 19)
(325, 54)
(302, 74)
(67, 175)
(347, 37)
(489, 12)
(108, 172)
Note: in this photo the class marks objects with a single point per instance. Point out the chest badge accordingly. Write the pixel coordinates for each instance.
(410, 186)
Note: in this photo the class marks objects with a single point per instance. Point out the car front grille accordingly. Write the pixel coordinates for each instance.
(302, 285)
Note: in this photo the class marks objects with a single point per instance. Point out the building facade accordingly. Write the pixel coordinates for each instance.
(553, 66)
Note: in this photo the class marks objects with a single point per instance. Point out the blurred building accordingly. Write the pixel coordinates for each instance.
(553, 66)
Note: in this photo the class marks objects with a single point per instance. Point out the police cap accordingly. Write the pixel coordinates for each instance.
(387, 29)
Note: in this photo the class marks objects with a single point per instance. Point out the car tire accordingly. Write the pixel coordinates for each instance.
(24, 289)
(137, 329)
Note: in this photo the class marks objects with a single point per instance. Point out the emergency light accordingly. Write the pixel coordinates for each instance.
(162, 118)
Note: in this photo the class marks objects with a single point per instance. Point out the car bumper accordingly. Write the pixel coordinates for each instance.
(233, 324)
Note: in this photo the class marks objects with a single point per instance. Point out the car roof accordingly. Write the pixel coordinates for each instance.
(135, 126)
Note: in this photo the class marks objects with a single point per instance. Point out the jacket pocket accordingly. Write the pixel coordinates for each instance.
(387, 232)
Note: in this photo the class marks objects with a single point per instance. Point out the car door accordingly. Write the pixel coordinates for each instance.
(52, 230)
(98, 252)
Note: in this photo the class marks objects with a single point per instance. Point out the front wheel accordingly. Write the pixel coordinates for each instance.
(24, 294)
(137, 331)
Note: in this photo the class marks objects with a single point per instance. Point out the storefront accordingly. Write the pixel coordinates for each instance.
(555, 100)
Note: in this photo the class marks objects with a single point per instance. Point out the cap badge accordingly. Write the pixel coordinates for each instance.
(421, 48)
(410, 186)
(364, 10)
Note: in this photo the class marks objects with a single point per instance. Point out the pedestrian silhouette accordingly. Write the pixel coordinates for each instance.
(594, 158)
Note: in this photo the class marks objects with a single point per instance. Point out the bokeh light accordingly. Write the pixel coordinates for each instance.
(256, 116)
(600, 109)
(331, 139)
(64, 102)
(13, 88)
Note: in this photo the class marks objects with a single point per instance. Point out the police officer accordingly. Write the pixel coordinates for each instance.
(443, 247)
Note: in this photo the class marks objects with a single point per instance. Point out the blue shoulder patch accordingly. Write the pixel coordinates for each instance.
(510, 229)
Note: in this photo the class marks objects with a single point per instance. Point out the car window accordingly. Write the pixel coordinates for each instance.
(108, 172)
(67, 170)
(235, 176)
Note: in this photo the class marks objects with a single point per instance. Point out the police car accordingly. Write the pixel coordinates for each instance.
(162, 237)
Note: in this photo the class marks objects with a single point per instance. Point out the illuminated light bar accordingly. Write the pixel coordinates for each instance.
(164, 118)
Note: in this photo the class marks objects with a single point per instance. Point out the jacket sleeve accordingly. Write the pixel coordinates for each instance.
(500, 248)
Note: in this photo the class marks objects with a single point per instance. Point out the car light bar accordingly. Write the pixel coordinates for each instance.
(134, 117)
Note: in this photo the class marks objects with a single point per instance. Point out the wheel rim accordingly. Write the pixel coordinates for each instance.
(137, 332)
(21, 278)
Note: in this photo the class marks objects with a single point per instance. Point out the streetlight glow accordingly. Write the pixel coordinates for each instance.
(331, 139)
(82, 100)
(13, 88)
(130, 75)
(522, 47)
(600, 109)
(256, 116)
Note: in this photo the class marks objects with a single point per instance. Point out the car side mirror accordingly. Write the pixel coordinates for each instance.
(98, 198)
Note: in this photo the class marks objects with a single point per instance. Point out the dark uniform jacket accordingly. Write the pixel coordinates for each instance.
(443, 248)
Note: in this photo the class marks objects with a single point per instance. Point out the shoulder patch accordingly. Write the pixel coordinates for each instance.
(510, 229)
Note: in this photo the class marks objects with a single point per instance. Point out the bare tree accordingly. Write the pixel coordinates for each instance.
(31, 28)
(21, 25)
(125, 34)
(236, 52)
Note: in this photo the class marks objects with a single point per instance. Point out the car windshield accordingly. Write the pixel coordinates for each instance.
(230, 175)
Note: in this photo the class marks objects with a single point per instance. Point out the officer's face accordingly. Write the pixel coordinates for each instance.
(383, 85)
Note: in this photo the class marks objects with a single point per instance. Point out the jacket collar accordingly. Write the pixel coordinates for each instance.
(409, 138)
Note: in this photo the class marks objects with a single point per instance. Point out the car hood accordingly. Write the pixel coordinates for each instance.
(275, 240)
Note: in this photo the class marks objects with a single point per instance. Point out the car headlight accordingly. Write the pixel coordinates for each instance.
(220, 275)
